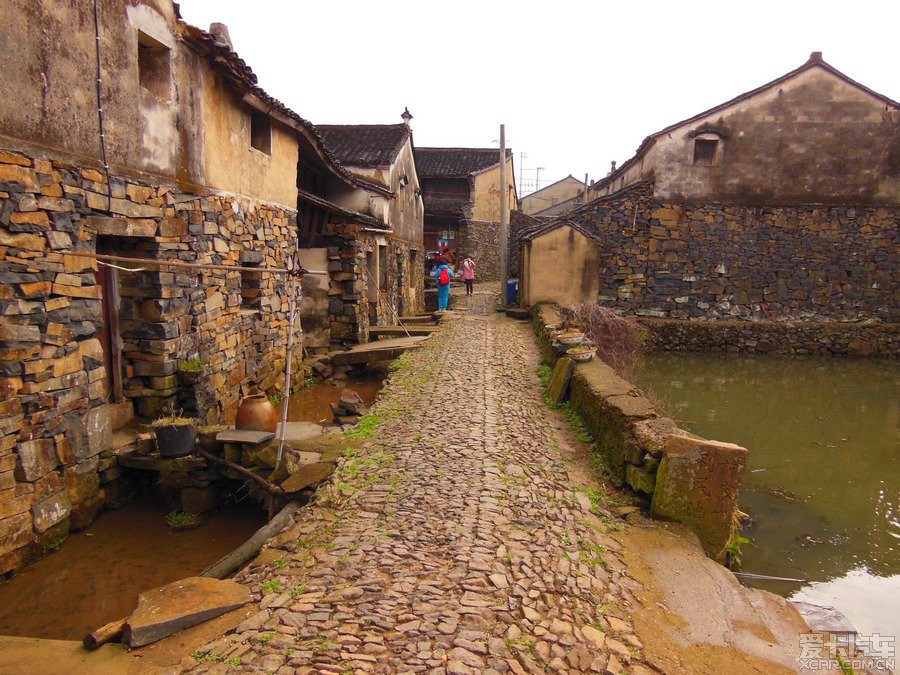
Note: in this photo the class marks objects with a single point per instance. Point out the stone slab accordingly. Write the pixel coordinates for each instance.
(307, 475)
(163, 465)
(824, 619)
(400, 331)
(244, 436)
(299, 431)
(179, 605)
(380, 350)
(698, 483)
(558, 389)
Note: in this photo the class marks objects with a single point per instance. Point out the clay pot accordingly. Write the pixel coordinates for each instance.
(256, 413)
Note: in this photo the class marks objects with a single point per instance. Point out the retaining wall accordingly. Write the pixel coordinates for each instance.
(688, 479)
(774, 337)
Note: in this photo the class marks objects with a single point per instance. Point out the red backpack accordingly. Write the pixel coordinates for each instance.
(444, 276)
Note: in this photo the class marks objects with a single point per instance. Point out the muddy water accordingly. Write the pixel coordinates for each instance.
(313, 404)
(823, 482)
(98, 574)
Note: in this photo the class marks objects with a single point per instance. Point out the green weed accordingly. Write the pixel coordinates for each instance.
(182, 519)
(272, 586)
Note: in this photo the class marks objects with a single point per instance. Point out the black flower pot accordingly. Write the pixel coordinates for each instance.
(175, 440)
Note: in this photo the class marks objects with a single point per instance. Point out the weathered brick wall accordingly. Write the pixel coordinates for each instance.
(695, 260)
(55, 440)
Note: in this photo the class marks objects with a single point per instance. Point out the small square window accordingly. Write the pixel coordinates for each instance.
(705, 151)
(154, 67)
(251, 288)
(261, 132)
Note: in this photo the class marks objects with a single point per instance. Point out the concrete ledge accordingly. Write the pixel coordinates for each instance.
(690, 480)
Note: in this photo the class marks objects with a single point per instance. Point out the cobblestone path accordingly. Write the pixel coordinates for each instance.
(450, 540)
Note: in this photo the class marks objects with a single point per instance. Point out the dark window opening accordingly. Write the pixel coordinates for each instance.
(154, 67)
(261, 132)
(705, 151)
(251, 288)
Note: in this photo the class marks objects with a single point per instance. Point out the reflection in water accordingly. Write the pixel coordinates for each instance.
(98, 574)
(823, 480)
(312, 404)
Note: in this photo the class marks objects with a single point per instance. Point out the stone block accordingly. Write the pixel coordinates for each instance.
(50, 510)
(36, 459)
(698, 483)
(558, 389)
(82, 481)
(99, 430)
(180, 605)
(83, 513)
(639, 479)
(15, 532)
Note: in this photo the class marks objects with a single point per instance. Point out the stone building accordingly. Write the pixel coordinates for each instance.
(460, 187)
(384, 155)
(543, 279)
(779, 204)
(175, 154)
(549, 196)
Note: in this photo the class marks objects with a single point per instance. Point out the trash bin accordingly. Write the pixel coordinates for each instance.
(512, 291)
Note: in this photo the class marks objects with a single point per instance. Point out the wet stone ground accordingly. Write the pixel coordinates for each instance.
(448, 541)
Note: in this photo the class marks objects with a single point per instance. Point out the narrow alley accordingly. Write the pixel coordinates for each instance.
(450, 540)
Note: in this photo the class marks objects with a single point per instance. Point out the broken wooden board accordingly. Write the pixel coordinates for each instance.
(381, 350)
(378, 332)
(179, 605)
(244, 436)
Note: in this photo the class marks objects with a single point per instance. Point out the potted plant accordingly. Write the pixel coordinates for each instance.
(174, 436)
(581, 353)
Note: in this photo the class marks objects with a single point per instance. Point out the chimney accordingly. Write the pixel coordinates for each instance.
(220, 32)
(407, 116)
(816, 57)
(612, 167)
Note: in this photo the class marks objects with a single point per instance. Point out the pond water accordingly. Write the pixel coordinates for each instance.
(97, 575)
(313, 403)
(823, 480)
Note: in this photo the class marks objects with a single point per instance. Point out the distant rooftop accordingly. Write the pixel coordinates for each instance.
(364, 144)
(456, 162)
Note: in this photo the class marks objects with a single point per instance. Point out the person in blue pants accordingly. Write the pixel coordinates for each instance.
(442, 275)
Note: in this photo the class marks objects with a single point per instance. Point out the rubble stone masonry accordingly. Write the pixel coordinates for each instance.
(681, 260)
(55, 428)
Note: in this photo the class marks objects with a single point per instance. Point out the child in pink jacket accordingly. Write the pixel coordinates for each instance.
(469, 273)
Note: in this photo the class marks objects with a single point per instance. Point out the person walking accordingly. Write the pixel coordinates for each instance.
(443, 274)
(469, 274)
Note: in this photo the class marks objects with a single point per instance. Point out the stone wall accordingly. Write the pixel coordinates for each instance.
(481, 240)
(712, 260)
(774, 337)
(55, 427)
(687, 478)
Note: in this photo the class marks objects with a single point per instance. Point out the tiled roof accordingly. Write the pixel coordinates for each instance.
(364, 144)
(455, 162)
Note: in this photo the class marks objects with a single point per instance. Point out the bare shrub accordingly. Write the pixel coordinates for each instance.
(619, 340)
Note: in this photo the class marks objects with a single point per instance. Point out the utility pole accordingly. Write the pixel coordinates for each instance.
(522, 157)
(537, 178)
(504, 218)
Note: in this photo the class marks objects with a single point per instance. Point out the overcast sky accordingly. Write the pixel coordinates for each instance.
(576, 83)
